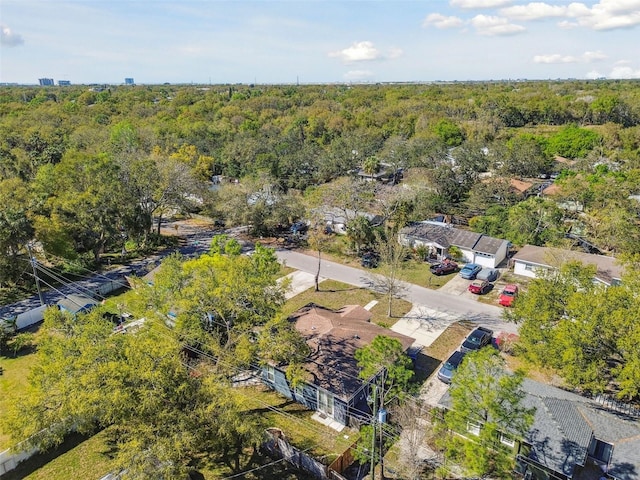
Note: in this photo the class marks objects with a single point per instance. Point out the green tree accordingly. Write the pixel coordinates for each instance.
(572, 142)
(16, 227)
(487, 401)
(450, 133)
(371, 165)
(386, 353)
(535, 221)
(164, 413)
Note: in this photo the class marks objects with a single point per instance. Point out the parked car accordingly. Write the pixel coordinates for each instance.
(488, 274)
(299, 227)
(449, 367)
(370, 260)
(478, 338)
(444, 268)
(480, 287)
(470, 270)
(508, 295)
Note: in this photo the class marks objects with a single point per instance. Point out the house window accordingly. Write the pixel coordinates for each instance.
(325, 402)
(485, 255)
(473, 427)
(271, 373)
(603, 451)
(507, 440)
(529, 268)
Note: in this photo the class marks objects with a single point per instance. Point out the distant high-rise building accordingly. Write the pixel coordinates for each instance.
(64, 83)
(128, 81)
(45, 81)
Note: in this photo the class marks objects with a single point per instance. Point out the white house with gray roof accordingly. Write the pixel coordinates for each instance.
(439, 237)
(533, 261)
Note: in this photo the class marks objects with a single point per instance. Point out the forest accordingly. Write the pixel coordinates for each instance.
(89, 173)
(88, 169)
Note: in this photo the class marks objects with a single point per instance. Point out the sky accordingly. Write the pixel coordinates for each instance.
(316, 41)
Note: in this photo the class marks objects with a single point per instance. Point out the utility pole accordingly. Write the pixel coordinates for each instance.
(35, 273)
(373, 436)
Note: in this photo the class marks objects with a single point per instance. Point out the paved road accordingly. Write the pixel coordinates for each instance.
(198, 240)
(452, 307)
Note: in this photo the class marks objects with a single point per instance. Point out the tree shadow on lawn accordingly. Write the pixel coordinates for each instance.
(39, 460)
(424, 367)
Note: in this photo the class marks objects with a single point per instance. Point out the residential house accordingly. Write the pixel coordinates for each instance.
(333, 386)
(75, 304)
(572, 437)
(520, 188)
(532, 261)
(553, 191)
(337, 219)
(439, 237)
(386, 174)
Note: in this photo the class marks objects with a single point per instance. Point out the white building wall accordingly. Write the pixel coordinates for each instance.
(526, 269)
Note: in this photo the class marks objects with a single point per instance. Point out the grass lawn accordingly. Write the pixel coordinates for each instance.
(13, 383)
(334, 294)
(78, 457)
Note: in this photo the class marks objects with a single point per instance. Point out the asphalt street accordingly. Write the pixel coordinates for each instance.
(444, 305)
(449, 306)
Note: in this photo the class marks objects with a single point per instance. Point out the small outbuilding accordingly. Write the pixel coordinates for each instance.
(75, 304)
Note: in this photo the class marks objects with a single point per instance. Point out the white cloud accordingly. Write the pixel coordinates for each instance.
(490, 25)
(566, 24)
(473, 4)
(624, 71)
(593, 56)
(604, 15)
(9, 38)
(534, 11)
(593, 74)
(358, 52)
(586, 57)
(555, 58)
(441, 21)
(364, 52)
(358, 75)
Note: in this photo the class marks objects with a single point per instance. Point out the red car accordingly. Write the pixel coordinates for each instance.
(508, 295)
(480, 287)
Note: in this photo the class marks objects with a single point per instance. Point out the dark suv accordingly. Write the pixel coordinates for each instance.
(480, 337)
(370, 260)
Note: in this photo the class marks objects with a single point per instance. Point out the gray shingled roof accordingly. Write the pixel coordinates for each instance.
(445, 236)
(564, 425)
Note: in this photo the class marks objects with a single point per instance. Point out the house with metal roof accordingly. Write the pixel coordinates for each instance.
(439, 237)
(533, 261)
(332, 386)
(574, 437)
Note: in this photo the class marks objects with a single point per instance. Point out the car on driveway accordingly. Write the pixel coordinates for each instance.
(299, 228)
(370, 260)
(508, 295)
(488, 274)
(478, 338)
(470, 270)
(480, 287)
(449, 367)
(444, 268)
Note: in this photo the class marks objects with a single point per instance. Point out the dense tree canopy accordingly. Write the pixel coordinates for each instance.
(584, 330)
(138, 154)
